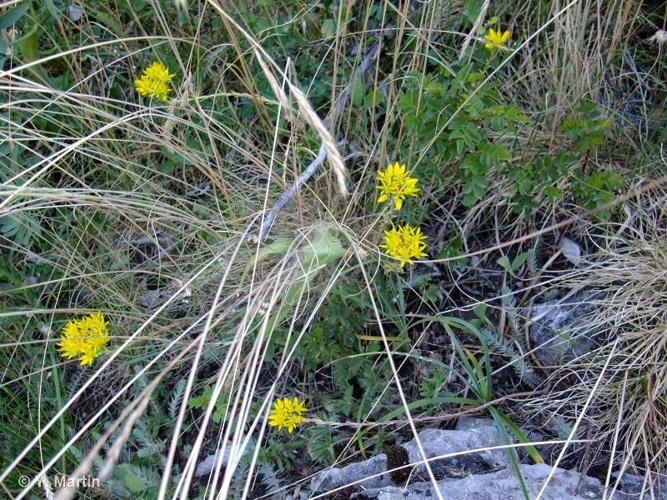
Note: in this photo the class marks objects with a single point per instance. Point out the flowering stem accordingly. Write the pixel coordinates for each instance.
(59, 400)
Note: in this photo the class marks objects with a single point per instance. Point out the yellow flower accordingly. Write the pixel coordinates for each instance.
(287, 414)
(397, 183)
(84, 338)
(405, 243)
(154, 82)
(495, 39)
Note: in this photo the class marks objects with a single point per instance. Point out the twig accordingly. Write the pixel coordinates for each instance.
(289, 192)
(267, 222)
(475, 28)
(435, 418)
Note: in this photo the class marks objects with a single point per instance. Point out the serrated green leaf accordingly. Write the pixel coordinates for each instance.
(514, 114)
(373, 99)
(133, 483)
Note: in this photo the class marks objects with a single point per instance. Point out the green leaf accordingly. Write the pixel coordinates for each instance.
(12, 17)
(454, 248)
(133, 483)
(139, 5)
(519, 261)
(513, 113)
(514, 458)
(472, 8)
(373, 99)
(357, 92)
(504, 262)
(522, 438)
(279, 246)
(202, 401)
(494, 153)
(480, 311)
(323, 248)
(320, 444)
(29, 49)
(328, 28)
(53, 10)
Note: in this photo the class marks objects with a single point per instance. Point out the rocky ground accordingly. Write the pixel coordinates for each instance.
(475, 475)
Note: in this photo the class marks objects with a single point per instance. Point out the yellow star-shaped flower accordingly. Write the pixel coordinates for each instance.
(496, 40)
(287, 414)
(404, 243)
(395, 182)
(84, 338)
(154, 82)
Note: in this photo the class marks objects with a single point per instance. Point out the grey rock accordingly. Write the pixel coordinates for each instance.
(149, 298)
(472, 433)
(207, 465)
(75, 12)
(634, 486)
(559, 330)
(485, 475)
(336, 477)
(30, 281)
(503, 484)
(149, 249)
(571, 250)
(35, 259)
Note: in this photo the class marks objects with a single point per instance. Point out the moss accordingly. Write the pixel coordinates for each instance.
(397, 456)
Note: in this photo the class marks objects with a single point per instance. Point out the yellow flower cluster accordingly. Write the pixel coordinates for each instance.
(84, 338)
(396, 183)
(495, 39)
(287, 414)
(405, 243)
(154, 82)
